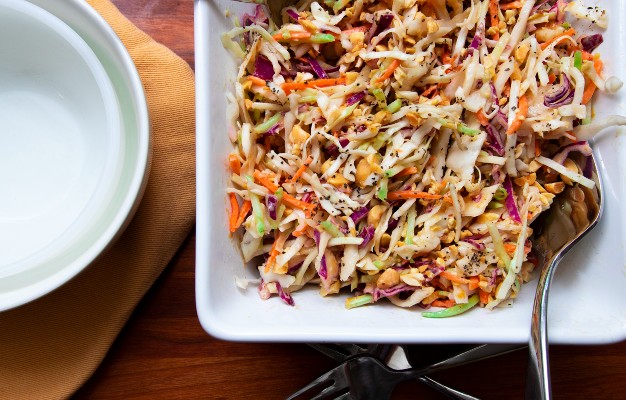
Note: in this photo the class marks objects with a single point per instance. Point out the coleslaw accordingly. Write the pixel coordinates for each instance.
(401, 149)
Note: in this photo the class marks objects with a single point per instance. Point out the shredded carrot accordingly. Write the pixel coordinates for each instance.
(431, 160)
(446, 59)
(272, 258)
(301, 170)
(453, 278)
(511, 248)
(482, 118)
(587, 56)
(520, 115)
(598, 65)
(287, 198)
(263, 180)
(473, 282)
(317, 83)
(234, 212)
(267, 143)
(276, 249)
(243, 213)
(493, 13)
(568, 33)
(256, 80)
(412, 194)
(511, 6)
(483, 296)
(295, 203)
(292, 35)
(389, 71)
(407, 171)
(551, 78)
(590, 89)
(456, 68)
(443, 303)
(362, 28)
(301, 231)
(537, 148)
(429, 91)
(234, 163)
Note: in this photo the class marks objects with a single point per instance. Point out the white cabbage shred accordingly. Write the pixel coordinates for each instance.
(404, 152)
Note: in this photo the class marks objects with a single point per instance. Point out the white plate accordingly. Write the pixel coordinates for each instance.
(114, 216)
(587, 299)
(60, 137)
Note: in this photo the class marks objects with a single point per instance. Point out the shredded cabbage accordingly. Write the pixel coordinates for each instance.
(406, 150)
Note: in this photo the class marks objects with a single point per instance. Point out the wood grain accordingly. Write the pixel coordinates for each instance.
(163, 353)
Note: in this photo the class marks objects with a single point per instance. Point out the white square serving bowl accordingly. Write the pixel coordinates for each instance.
(587, 299)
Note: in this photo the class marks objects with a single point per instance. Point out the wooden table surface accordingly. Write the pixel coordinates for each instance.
(163, 353)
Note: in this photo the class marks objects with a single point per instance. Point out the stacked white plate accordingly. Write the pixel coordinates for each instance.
(74, 143)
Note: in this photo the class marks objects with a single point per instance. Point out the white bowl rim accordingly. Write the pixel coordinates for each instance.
(142, 157)
(112, 114)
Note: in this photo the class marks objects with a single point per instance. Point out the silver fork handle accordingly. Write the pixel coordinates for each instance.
(447, 390)
(477, 353)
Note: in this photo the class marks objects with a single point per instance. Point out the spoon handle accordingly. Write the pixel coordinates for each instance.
(538, 374)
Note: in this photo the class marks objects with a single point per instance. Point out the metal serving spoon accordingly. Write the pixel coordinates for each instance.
(572, 215)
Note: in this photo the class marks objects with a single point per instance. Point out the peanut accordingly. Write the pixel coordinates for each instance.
(414, 118)
(545, 34)
(432, 25)
(363, 170)
(308, 25)
(326, 165)
(388, 279)
(572, 166)
(382, 117)
(374, 215)
(487, 217)
(521, 52)
(517, 73)
(530, 179)
(385, 240)
(555, 188)
(365, 167)
(298, 135)
(337, 180)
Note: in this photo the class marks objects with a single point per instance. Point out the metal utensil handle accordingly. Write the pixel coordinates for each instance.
(477, 353)
(538, 377)
(448, 391)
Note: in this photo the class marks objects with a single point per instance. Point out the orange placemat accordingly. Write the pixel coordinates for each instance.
(50, 347)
